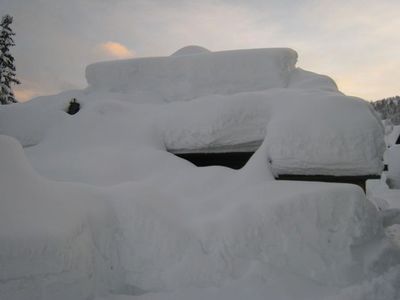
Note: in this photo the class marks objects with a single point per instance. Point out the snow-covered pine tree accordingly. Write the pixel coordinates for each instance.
(7, 67)
(389, 109)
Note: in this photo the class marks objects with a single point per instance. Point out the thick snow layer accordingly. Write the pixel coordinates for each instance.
(35, 121)
(347, 141)
(385, 192)
(313, 235)
(189, 50)
(301, 79)
(96, 205)
(184, 77)
(243, 227)
(281, 288)
(56, 241)
(392, 135)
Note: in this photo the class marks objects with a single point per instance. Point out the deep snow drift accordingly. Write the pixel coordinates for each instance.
(106, 211)
(56, 239)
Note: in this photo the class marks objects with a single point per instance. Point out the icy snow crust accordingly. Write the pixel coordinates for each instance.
(95, 205)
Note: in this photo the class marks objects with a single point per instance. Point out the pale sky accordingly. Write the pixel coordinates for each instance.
(356, 42)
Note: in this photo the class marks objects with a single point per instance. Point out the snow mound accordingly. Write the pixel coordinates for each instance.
(315, 234)
(29, 123)
(52, 235)
(185, 77)
(302, 79)
(188, 50)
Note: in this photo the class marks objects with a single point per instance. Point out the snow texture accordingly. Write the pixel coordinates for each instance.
(184, 77)
(94, 205)
(393, 159)
(56, 238)
(347, 141)
(188, 50)
(392, 134)
(385, 192)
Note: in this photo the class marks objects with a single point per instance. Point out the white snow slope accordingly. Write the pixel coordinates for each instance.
(107, 212)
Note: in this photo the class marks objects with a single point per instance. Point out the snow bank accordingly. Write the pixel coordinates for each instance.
(393, 160)
(302, 79)
(385, 287)
(272, 289)
(184, 77)
(56, 240)
(392, 135)
(314, 234)
(28, 123)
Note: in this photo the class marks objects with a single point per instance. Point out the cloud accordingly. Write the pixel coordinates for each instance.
(115, 50)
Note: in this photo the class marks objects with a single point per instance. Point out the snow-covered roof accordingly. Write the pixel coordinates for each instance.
(221, 102)
(189, 50)
(185, 77)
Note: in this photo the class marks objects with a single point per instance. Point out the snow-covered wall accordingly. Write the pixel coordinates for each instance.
(183, 77)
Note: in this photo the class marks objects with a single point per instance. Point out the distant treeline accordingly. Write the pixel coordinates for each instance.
(389, 108)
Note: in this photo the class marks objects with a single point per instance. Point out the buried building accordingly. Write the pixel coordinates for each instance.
(216, 108)
(221, 105)
(96, 203)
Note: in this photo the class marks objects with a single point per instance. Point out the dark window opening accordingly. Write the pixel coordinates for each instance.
(233, 160)
(357, 180)
(236, 160)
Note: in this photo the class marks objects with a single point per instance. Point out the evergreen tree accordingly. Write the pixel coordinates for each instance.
(389, 109)
(7, 68)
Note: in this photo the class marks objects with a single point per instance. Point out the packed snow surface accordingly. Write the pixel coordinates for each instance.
(393, 160)
(188, 50)
(95, 206)
(392, 134)
(185, 77)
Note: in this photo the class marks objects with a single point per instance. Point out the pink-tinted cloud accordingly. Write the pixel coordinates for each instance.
(115, 50)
